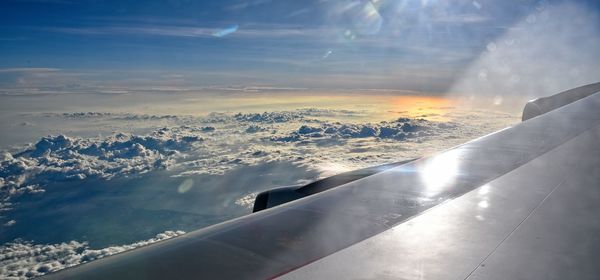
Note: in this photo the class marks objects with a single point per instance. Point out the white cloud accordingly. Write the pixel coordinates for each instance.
(274, 31)
(24, 259)
(317, 139)
(58, 158)
(220, 142)
(28, 70)
(402, 129)
(461, 18)
(247, 200)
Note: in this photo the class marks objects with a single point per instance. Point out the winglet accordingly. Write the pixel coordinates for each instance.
(544, 105)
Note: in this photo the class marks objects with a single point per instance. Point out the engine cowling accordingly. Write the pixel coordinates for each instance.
(278, 196)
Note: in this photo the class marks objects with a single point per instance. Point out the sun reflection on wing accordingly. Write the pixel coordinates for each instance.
(440, 171)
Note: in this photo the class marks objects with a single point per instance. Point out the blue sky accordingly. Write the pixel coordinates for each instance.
(396, 44)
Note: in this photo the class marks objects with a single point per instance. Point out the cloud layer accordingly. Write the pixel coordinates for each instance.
(59, 158)
(219, 142)
(323, 140)
(23, 259)
(402, 129)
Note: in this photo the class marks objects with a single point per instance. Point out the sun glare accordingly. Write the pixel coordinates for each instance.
(428, 107)
(440, 171)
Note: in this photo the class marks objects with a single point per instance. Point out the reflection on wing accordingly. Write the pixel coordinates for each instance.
(520, 201)
(538, 221)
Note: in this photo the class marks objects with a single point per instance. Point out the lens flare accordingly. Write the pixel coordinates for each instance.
(185, 186)
(365, 18)
(227, 31)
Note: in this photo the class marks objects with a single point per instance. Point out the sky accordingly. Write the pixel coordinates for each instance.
(150, 118)
(49, 46)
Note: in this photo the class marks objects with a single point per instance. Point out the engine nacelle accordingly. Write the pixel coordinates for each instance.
(277, 196)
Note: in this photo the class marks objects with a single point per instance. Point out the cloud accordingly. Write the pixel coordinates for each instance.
(403, 129)
(116, 116)
(268, 117)
(309, 138)
(461, 18)
(316, 139)
(28, 70)
(220, 142)
(254, 129)
(24, 259)
(247, 4)
(247, 200)
(272, 31)
(59, 158)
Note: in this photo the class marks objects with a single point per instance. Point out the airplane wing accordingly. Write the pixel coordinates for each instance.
(520, 203)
